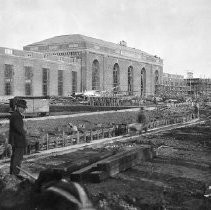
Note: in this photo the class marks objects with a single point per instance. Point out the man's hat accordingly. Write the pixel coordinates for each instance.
(21, 103)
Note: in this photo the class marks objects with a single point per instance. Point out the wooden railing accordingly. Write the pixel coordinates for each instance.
(49, 141)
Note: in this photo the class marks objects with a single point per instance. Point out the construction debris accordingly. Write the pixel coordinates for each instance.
(128, 176)
(113, 164)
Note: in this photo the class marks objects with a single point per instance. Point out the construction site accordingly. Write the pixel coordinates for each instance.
(168, 166)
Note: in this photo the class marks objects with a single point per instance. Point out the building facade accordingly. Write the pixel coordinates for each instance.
(25, 73)
(173, 85)
(199, 88)
(106, 66)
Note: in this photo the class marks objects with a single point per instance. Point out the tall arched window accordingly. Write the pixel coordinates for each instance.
(130, 80)
(156, 82)
(116, 78)
(143, 82)
(95, 75)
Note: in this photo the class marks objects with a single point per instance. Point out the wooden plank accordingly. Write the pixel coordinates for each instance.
(97, 176)
(78, 172)
(111, 165)
(47, 142)
(81, 174)
(124, 160)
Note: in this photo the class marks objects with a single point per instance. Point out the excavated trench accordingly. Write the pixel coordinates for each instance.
(175, 179)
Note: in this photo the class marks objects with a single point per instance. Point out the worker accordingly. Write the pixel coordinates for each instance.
(73, 128)
(57, 193)
(5, 147)
(141, 124)
(155, 100)
(196, 110)
(17, 137)
(143, 118)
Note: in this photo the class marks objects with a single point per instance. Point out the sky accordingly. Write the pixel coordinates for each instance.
(178, 31)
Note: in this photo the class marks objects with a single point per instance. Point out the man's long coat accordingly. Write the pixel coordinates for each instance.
(17, 134)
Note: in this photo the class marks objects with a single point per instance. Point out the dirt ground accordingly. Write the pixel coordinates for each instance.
(175, 179)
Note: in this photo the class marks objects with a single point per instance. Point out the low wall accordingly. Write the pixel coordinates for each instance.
(85, 108)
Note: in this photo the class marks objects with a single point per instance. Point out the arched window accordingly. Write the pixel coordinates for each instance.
(143, 82)
(156, 82)
(130, 80)
(95, 75)
(116, 78)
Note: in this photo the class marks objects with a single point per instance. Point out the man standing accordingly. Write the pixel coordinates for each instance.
(143, 118)
(17, 137)
(196, 110)
(142, 123)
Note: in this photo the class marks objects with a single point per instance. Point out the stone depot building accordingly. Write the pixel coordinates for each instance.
(66, 64)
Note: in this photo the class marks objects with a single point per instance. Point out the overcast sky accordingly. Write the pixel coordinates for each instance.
(178, 31)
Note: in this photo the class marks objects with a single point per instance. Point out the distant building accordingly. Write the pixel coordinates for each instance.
(173, 85)
(25, 73)
(66, 64)
(106, 66)
(199, 88)
(189, 75)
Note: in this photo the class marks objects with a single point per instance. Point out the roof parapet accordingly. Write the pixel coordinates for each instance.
(36, 55)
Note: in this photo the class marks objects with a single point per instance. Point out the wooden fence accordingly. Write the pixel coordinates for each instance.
(49, 141)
